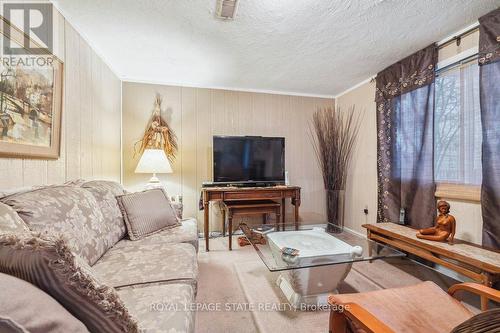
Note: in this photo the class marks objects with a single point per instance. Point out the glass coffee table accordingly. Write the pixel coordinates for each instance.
(313, 260)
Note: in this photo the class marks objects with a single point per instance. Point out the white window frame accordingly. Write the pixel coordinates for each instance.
(462, 192)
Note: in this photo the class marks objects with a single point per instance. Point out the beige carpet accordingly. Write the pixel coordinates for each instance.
(248, 299)
(218, 284)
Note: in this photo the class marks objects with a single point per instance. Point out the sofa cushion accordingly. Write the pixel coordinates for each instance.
(142, 264)
(49, 264)
(34, 310)
(105, 192)
(10, 222)
(147, 212)
(67, 210)
(187, 232)
(161, 308)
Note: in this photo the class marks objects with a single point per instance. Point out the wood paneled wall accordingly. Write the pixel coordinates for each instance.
(198, 114)
(91, 130)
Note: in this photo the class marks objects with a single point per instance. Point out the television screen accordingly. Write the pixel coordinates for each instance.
(249, 159)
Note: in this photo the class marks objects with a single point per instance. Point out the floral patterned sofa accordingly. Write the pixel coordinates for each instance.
(149, 275)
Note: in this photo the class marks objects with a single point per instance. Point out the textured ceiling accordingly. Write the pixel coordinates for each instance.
(317, 47)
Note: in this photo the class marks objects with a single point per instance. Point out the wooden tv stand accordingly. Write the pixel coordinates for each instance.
(227, 194)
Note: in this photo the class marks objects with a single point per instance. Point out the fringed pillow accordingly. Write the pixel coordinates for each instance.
(49, 264)
(10, 222)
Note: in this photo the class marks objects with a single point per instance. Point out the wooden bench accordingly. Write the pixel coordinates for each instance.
(255, 207)
(471, 260)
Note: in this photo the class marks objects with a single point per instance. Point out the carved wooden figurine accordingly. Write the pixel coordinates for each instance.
(445, 225)
(256, 237)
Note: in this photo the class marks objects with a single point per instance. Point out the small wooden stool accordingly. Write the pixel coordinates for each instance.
(248, 207)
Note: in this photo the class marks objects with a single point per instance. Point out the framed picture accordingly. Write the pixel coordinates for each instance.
(31, 88)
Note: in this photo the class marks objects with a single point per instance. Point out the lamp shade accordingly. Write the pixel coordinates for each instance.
(153, 161)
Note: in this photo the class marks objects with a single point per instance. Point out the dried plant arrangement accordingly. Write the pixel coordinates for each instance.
(158, 134)
(334, 133)
(333, 137)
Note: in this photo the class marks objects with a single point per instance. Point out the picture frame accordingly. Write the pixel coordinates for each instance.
(31, 100)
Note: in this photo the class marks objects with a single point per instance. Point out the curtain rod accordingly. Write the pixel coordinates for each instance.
(447, 41)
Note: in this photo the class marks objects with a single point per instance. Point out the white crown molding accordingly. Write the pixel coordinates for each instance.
(355, 86)
(188, 85)
(94, 48)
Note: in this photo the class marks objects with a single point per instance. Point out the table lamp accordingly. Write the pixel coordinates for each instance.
(153, 161)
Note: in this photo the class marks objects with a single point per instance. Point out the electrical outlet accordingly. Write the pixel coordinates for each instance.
(365, 210)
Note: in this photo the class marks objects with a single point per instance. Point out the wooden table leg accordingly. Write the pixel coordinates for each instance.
(283, 209)
(223, 222)
(370, 250)
(230, 227)
(278, 217)
(487, 281)
(297, 204)
(277, 224)
(205, 227)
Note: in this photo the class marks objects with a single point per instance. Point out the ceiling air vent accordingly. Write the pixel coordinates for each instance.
(226, 9)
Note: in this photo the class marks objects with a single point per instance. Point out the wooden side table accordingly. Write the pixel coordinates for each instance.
(247, 208)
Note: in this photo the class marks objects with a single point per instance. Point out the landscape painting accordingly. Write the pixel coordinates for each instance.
(30, 105)
(26, 105)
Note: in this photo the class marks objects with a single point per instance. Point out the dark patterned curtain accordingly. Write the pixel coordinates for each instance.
(489, 60)
(405, 126)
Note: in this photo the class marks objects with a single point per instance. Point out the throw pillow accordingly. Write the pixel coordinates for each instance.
(33, 310)
(105, 193)
(147, 212)
(10, 222)
(49, 264)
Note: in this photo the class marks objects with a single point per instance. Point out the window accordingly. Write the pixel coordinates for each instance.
(457, 126)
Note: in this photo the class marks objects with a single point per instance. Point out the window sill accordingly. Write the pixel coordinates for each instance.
(460, 192)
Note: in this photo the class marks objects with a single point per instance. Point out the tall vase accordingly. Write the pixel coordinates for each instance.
(335, 202)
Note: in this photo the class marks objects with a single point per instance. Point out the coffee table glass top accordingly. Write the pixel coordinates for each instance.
(312, 246)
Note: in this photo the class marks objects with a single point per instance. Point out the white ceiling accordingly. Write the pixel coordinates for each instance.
(317, 47)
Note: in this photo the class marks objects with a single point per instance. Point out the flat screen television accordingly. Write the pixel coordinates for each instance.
(249, 159)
